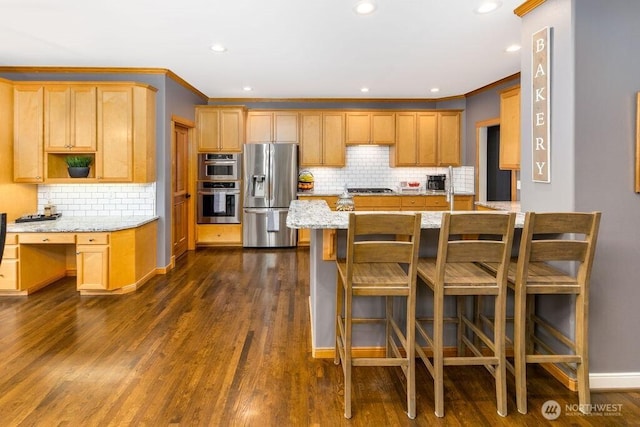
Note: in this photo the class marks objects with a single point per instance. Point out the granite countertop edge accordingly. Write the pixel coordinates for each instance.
(81, 224)
(316, 214)
(500, 206)
(395, 193)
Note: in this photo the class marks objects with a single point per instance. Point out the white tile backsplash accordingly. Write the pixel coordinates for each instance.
(368, 166)
(99, 199)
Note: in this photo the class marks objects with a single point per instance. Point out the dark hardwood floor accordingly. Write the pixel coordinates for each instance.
(224, 340)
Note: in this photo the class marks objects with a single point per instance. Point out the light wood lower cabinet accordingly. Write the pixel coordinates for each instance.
(105, 263)
(219, 234)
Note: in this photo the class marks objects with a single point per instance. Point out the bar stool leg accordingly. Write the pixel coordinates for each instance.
(410, 336)
(520, 337)
(347, 355)
(582, 374)
(499, 343)
(438, 351)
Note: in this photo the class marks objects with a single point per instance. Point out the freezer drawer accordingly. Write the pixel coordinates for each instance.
(267, 228)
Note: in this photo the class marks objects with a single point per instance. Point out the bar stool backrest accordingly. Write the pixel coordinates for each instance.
(383, 238)
(564, 236)
(475, 237)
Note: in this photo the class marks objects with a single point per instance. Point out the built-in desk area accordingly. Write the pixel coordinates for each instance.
(108, 255)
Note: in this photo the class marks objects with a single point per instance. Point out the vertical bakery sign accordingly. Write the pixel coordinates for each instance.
(540, 95)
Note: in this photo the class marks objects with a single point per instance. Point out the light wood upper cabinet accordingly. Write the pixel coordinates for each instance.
(28, 107)
(220, 129)
(370, 127)
(69, 118)
(272, 126)
(126, 134)
(427, 138)
(510, 128)
(449, 138)
(322, 138)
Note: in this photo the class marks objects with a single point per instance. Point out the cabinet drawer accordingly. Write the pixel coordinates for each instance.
(9, 274)
(92, 238)
(47, 238)
(10, 252)
(414, 202)
(437, 202)
(389, 202)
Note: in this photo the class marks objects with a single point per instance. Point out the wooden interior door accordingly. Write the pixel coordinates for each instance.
(179, 185)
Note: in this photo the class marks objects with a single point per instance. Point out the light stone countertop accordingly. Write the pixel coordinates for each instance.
(316, 214)
(395, 193)
(80, 224)
(501, 206)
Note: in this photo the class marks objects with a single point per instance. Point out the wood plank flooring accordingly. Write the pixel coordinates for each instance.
(223, 340)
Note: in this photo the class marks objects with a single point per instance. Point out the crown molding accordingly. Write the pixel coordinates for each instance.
(527, 7)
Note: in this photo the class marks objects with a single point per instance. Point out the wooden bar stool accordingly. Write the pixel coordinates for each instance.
(568, 240)
(455, 272)
(382, 252)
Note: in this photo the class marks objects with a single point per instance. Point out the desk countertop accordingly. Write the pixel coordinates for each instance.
(79, 224)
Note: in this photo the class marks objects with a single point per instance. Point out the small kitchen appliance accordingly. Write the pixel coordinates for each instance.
(436, 182)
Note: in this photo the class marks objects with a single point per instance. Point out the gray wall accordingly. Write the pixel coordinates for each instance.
(594, 79)
(482, 106)
(171, 99)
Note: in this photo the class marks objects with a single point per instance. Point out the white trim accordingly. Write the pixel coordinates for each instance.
(614, 380)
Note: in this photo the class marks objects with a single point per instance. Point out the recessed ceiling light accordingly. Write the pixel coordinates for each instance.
(364, 89)
(247, 88)
(218, 48)
(513, 48)
(365, 7)
(488, 6)
(435, 89)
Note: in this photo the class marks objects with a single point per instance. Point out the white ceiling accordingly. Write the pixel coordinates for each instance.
(281, 48)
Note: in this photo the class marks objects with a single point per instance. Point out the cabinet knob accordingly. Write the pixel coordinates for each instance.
(92, 240)
(45, 240)
(78, 253)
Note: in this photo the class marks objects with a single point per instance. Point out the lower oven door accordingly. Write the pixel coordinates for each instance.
(218, 207)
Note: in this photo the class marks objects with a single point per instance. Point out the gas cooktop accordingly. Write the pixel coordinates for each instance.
(370, 190)
(38, 217)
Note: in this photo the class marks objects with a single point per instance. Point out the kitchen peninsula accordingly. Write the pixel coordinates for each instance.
(317, 216)
(109, 255)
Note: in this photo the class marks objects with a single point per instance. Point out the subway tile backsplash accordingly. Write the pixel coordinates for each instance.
(368, 166)
(99, 199)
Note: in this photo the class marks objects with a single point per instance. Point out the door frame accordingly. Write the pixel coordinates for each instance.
(191, 180)
(481, 162)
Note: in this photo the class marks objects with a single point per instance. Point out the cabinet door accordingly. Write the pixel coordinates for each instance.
(231, 130)
(114, 159)
(383, 128)
(285, 127)
(311, 146)
(259, 127)
(449, 138)
(358, 128)
(69, 118)
(207, 129)
(510, 129)
(405, 151)
(333, 150)
(92, 263)
(28, 134)
(427, 126)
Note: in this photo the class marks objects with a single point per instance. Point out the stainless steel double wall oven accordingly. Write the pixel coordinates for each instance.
(219, 188)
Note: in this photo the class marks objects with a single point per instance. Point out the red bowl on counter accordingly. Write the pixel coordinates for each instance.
(413, 184)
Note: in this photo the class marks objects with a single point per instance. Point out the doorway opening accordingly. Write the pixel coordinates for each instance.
(492, 183)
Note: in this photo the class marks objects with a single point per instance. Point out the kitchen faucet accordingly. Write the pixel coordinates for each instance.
(450, 190)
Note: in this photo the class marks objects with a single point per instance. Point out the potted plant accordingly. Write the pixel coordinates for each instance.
(78, 166)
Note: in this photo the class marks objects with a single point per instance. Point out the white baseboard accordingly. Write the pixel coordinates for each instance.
(614, 380)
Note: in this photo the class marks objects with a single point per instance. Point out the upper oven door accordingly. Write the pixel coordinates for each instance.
(218, 167)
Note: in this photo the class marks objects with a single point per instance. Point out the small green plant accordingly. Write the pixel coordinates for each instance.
(78, 161)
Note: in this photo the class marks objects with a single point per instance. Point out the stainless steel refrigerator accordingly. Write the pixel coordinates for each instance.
(270, 184)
